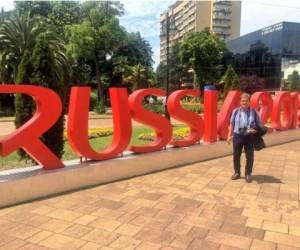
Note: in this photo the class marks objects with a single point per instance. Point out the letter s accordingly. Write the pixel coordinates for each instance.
(159, 123)
(194, 121)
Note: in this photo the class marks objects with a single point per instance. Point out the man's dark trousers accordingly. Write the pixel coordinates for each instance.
(240, 142)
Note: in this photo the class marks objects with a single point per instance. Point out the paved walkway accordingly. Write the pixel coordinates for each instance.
(192, 207)
(8, 126)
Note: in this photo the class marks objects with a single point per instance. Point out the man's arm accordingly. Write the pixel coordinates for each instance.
(231, 125)
(230, 132)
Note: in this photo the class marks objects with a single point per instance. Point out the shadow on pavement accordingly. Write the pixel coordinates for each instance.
(265, 179)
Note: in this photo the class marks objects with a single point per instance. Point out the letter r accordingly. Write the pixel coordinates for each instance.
(48, 109)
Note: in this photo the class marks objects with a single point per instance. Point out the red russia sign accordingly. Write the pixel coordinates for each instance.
(282, 110)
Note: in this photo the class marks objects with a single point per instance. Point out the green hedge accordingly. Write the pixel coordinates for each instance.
(156, 108)
(7, 111)
(193, 107)
(160, 109)
(93, 101)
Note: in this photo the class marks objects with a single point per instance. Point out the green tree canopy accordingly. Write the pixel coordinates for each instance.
(231, 80)
(203, 52)
(136, 49)
(294, 81)
(64, 13)
(94, 39)
(177, 71)
(34, 8)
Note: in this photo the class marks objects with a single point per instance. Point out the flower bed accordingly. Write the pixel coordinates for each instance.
(193, 106)
(96, 132)
(178, 134)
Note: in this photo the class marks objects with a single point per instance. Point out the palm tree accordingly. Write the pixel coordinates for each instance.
(137, 76)
(18, 36)
(121, 67)
(35, 54)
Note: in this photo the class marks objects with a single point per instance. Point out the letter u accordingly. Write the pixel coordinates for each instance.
(78, 123)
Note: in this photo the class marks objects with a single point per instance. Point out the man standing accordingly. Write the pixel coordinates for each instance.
(243, 123)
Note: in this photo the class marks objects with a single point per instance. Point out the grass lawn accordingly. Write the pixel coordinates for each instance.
(12, 161)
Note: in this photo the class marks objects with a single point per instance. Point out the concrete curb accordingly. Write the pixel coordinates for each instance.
(21, 185)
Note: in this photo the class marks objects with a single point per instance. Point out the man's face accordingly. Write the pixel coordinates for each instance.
(244, 102)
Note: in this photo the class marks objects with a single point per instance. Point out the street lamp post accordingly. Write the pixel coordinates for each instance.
(168, 61)
(167, 35)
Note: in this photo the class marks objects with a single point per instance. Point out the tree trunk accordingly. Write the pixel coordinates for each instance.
(100, 93)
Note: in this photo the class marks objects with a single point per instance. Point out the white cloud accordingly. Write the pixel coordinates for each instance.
(257, 14)
(7, 5)
(148, 27)
(144, 16)
(156, 55)
(143, 8)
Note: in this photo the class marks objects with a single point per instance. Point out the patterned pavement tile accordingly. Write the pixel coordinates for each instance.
(192, 207)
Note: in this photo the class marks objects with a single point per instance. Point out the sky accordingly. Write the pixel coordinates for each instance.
(143, 16)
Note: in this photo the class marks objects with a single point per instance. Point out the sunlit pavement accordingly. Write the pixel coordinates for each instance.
(8, 126)
(192, 207)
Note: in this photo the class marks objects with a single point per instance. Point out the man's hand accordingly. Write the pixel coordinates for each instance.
(229, 139)
(251, 131)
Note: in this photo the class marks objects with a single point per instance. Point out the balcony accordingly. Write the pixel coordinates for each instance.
(228, 3)
(191, 28)
(222, 10)
(221, 32)
(221, 17)
(163, 43)
(222, 25)
(178, 16)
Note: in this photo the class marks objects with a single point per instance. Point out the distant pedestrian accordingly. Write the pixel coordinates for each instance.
(244, 123)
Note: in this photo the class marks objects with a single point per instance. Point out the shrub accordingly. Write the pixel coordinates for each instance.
(195, 107)
(251, 84)
(93, 101)
(156, 108)
(294, 81)
(231, 80)
(100, 108)
(7, 111)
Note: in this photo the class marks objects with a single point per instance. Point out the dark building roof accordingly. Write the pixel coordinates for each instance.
(267, 52)
(281, 38)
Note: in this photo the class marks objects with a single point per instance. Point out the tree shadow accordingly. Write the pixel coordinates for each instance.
(266, 179)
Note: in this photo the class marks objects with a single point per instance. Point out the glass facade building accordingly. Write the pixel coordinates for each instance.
(272, 53)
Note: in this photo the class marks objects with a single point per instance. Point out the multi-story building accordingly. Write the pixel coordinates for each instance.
(272, 53)
(223, 18)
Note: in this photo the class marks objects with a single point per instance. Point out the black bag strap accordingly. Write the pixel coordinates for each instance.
(255, 117)
(234, 115)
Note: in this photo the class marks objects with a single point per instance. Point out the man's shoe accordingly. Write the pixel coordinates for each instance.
(248, 178)
(235, 176)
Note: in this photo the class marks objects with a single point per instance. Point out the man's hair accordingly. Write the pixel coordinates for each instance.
(245, 95)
